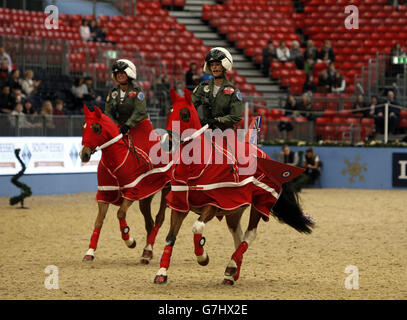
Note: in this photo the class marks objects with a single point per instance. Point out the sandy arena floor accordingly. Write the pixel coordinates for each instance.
(363, 228)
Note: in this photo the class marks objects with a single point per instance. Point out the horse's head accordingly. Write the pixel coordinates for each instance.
(182, 115)
(97, 129)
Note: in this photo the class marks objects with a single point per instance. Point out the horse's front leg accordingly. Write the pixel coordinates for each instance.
(199, 241)
(102, 210)
(176, 221)
(232, 271)
(124, 228)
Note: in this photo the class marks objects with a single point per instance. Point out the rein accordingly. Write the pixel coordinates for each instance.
(108, 143)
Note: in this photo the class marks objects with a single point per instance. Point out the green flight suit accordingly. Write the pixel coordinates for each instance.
(226, 105)
(131, 111)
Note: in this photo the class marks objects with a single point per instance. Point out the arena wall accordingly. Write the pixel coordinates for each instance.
(347, 167)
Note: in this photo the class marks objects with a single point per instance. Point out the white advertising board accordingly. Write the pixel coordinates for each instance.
(42, 155)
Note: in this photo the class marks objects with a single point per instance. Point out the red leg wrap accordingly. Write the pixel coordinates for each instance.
(123, 224)
(198, 249)
(94, 239)
(238, 255)
(166, 257)
(152, 235)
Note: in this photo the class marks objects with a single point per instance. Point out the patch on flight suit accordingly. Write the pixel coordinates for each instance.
(206, 89)
(228, 90)
(140, 96)
(132, 94)
(239, 95)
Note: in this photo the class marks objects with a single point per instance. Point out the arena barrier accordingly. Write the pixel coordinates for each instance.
(54, 167)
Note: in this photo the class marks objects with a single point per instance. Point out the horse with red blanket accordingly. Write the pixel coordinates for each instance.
(216, 175)
(126, 173)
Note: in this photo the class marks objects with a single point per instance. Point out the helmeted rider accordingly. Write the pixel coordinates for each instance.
(220, 99)
(125, 103)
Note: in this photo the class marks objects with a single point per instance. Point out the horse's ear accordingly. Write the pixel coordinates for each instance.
(86, 111)
(187, 95)
(173, 95)
(98, 112)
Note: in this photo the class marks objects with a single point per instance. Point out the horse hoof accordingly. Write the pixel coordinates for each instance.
(146, 256)
(144, 261)
(160, 279)
(88, 258)
(204, 262)
(230, 271)
(133, 244)
(228, 282)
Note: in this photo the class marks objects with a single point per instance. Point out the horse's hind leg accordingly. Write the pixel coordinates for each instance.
(152, 227)
(176, 221)
(124, 228)
(90, 254)
(232, 271)
(233, 222)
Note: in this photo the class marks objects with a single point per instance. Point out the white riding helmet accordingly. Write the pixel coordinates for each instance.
(124, 65)
(218, 54)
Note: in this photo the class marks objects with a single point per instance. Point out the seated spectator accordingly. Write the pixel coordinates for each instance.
(102, 31)
(310, 56)
(91, 96)
(59, 114)
(324, 82)
(14, 79)
(161, 89)
(4, 73)
(269, 55)
(393, 117)
(371, 112)
(28, 85)
(296, 55)
(79, 90)
(4, 56)
(309, 86)
(18, 118)
(291, 106)
(289, 157)
(192, 76)
(338, 83)
(47, 113)
(359, 106)
(84, 31)
(17, 95)
(282, 52)
(395, 68)
(312, 171)
(306, 105)
(6, 100)
(28, 108)
(326, 54)
(96, 34)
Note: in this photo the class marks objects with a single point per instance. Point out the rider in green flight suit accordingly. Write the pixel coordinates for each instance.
(220, 99)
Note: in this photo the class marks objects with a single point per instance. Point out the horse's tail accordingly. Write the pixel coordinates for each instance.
(288, 210)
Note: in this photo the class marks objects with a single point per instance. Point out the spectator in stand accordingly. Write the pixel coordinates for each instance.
(19, 119)
(6, 100)
(193, 76)
(18, 95)
(14, 80)
(324, 82)
(395, 68)
(326, 54)
(28, 85)
(4, 73)
(338, 83)
(47, 113)
(310, 56)
(4, 56)
(282, 52)
(359, 106)
(296, 55)
(291, 106)
(161, 89)
(394, 114)
(29, 109)
(59, 114)
(102, 32)
(289, 157)
(371, 112)
(312, 166)
(269, 55)
(96, 34)
(305, 105)
(84, 31)
(91, 96)
(79, 90)
(309, 86)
